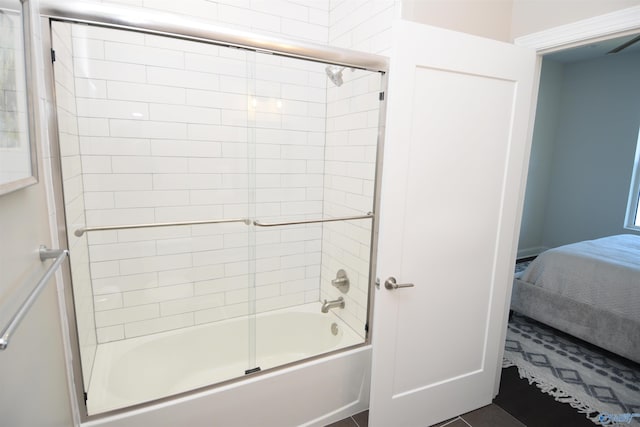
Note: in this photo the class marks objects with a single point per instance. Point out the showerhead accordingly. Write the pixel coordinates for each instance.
(335, 74)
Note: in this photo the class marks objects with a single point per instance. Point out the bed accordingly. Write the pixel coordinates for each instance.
(588, 289)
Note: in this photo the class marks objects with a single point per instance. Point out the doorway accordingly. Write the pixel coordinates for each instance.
(552, 200)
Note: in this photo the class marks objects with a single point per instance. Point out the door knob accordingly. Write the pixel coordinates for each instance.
(391, 284)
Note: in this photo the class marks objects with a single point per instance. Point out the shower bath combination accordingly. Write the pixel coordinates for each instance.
(210, 199)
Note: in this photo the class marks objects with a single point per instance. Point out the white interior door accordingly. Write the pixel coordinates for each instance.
(454, 168)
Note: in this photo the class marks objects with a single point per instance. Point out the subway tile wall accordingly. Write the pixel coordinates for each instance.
(73, 195)
(165, 134)
(292, 19)
(165, 129)
(363, 25)
(352, 135)
(350, 166)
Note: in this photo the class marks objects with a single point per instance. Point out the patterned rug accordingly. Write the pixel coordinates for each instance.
(604, 387)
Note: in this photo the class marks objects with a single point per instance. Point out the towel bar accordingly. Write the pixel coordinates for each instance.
(59, 255)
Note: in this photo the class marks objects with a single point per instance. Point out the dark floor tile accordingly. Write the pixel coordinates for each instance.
(453, 422)
(362, 419)
(491, 416)
(347, 422)
(532, 407)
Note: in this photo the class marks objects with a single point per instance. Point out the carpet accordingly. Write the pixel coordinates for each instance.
(605, 388)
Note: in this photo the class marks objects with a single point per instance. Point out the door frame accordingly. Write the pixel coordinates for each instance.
(615, 24)
(602, 27)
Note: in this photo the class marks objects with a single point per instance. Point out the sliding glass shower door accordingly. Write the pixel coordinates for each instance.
(218, 206)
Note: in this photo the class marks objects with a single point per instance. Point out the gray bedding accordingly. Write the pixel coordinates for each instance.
(604, 273)
(588, 289)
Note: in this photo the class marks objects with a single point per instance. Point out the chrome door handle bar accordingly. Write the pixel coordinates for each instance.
(259, 223)
(391, 284)
(80, 231)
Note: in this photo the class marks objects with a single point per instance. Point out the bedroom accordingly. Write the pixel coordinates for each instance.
(584, 143)
(579, 184)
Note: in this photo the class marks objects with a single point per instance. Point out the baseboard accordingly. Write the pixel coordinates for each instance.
(530, 252)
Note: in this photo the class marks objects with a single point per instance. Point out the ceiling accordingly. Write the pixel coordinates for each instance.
(594, 50)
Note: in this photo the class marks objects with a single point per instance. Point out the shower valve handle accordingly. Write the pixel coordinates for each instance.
(391, 284)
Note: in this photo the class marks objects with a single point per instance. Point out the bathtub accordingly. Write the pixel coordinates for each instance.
(144, 369)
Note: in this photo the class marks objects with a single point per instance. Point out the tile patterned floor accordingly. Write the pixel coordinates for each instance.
(488, 416)
(358, 420)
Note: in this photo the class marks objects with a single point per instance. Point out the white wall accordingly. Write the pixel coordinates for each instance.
(541, 160)
(491, 19)
(506, 20)
(33, 366)
(595, 146)
(34, 384)
(533, 16)
(595, 140)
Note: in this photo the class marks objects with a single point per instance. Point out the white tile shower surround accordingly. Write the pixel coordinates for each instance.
(152, 87)
(352, 135)
(362, 24)
(350, 156)
(119, 186)
(144, 281)
(73, 195)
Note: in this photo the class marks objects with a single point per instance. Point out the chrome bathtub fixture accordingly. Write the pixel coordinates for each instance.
(334, 328)
(341, 281)
(335, 74)
(327, 305)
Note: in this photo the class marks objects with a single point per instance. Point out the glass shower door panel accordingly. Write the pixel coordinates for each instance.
(153, 131)
(351, 153)
(315, 157)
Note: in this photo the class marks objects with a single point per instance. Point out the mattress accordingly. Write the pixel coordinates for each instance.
(602, 273)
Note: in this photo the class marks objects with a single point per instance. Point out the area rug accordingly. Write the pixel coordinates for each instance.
(602, 386)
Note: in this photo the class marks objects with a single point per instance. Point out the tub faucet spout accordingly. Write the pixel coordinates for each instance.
(326, 305)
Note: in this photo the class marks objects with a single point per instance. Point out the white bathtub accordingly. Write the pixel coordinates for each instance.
(147, 368)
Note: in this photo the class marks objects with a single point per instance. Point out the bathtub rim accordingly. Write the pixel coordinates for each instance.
(221, 386)
(210, 391)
